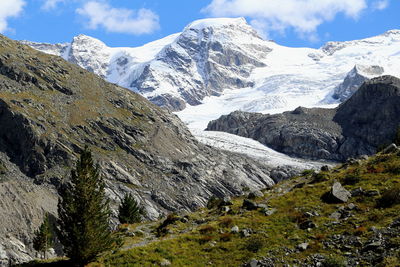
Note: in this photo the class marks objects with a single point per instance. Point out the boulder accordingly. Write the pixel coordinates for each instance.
(255, 194)
(391, 149)
(249, 205)
(302, 246)
(337, 194)
(235, 229)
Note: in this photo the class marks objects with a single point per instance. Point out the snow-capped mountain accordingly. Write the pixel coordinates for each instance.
(216, 66)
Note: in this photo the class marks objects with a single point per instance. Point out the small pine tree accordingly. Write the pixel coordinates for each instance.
(129, 210)
(84, 214)
(43, 239)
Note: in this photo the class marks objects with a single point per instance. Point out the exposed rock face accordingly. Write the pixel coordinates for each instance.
(354, 79)
(49, 109)
(303, 132)
(207, 57)
(204, 60)
(370, 118)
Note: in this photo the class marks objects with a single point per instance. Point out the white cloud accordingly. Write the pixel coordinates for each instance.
(120, 20)
(380, 5)
(304, 16)
(51, 4)
(8, 9)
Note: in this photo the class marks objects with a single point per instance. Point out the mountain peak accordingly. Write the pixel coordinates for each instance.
(392, 32)
(216, 23)
(82, 38)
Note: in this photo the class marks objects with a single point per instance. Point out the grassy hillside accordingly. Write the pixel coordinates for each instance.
(290, 224)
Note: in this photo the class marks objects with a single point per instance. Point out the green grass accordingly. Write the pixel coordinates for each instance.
(211, 243)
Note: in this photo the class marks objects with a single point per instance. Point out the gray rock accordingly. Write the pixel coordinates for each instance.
(372, 246)
(249, 205)
(351, 206)
(269, 212)
(302, 246)
(308, 224)
(245, 233)
(235, 229)
(165, 262)
(253, 263)
(225, 209)
(371, 193)
(255, 194)
(335, 215)
(357, 192)
(337, 194)
(392, 148)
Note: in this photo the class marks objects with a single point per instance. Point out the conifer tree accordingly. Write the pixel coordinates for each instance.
(43, 239)
(84, 213)
(129, 210)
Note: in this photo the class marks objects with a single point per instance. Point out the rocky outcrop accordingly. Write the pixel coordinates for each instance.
(354, 79)
(50, 109)
(303, 132)
(358, 127)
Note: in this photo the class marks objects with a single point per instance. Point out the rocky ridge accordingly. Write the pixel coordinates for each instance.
(225, 58)
(49, 109)
(354, 79)
(207, 57)
(360, 125)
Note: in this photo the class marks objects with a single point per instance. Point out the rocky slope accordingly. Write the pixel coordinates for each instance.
(345, 216)
(358, 127)
(222, 65)
(49, 109)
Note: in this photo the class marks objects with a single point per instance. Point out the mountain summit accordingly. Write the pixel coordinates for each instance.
(223, 65)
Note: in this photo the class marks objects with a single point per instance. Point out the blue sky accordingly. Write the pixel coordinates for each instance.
(135, 22)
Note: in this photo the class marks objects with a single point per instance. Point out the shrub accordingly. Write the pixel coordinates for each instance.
(214, 202)
(225, 237)
(360, 230)
(375, 216)
(130, 211)
(254, 244)
(333, 262)
(162, 228)
(307, 172)
(393, 168)
(389, 198)
(351, 179)
(319, 177)
(298, 217)
(320, 237)
(205, 239)
(226, 222)
(207, 229)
